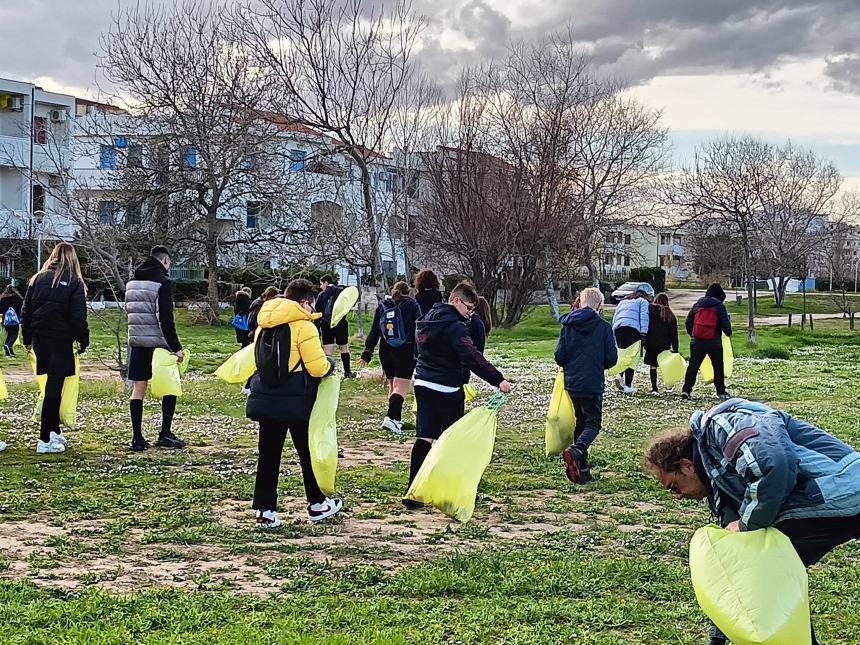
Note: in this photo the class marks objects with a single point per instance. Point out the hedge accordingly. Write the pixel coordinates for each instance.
(655, 276)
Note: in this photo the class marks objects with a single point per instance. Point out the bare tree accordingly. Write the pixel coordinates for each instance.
(195, 97)
(339, 69)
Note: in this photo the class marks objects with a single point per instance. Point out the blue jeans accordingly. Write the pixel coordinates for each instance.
(589, 417)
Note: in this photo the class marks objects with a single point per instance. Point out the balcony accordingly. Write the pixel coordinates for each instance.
(675, 250)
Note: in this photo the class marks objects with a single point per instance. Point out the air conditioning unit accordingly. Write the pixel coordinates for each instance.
(16, 104)
(59, 116)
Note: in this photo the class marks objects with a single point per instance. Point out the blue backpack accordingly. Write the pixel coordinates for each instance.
(391, 325)
(240, 322)
(10, 318)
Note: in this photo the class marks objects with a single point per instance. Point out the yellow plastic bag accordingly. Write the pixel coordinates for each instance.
(239, 367)
(672, 366)
(4, 391)
(69, 396)
(470, 391)
(707, 368)
(322, 433)
(449, 477)
(346, 300)
(628, 359)
(560, 419)
(752, 585)
(166, 370)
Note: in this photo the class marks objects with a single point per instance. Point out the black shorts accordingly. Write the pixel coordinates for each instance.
(437, 411)
(337, 335)
(140, 363)
(397, 362)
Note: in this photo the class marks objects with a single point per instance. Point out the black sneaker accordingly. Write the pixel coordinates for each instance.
(412, 504)
(6, 350)
(350, 375)
(585, 476)
(576, 466)
(685, 396)
(169, 441)
(138, 444)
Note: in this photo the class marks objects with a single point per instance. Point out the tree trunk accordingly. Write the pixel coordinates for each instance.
(370, 222)
(593, 274)
(751, 335)
(780, 284)
(212, 270)
(551, 296)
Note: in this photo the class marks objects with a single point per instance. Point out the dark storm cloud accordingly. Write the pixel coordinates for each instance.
(631, 39)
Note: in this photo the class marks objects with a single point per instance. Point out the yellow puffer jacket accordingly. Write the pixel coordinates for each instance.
(305, 338)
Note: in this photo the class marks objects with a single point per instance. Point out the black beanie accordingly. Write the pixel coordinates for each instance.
(716, 291)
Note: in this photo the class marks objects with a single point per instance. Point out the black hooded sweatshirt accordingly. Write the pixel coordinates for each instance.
(714, 297)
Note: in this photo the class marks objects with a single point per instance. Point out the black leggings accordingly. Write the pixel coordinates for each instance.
(625, 337)
(272, 436)
(50, 421)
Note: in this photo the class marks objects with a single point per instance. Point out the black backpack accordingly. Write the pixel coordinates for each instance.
(272, 355)
(329, 305)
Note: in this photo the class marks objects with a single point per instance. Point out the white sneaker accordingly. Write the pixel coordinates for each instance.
(58, 438)
(655, 393)
(326, 508)
(394, 426)
(619, 383)
(268, 520)
(629, 390)
(48, 447)
(2, 446)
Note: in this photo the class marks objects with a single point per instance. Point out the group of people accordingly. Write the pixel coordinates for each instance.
(755, 466)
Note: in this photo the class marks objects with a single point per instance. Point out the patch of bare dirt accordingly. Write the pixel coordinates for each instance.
(18, 374)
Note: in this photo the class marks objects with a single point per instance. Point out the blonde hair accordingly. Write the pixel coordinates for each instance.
(591, 297)
(63, 259)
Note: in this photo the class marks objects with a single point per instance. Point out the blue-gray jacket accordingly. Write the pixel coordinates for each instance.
(772, 467)
(632, 313)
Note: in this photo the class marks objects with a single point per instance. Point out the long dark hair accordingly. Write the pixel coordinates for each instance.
(661, 301)
(482, 311)
(426, 279)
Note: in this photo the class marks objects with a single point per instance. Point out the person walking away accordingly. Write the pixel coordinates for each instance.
(757, 467)
(149, 305)
(586, 347)
(11, 304)
(706, 322)
(630, 324)
(393, 329)
(427, 290)
(53, 319)
(662, 335)
(290, 363)
(329, 291)
(241, 311)
(445, 349)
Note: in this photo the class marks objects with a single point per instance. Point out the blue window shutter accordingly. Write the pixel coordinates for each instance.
(191, 158)
(252, 210)
(107, 157)
(120, 142)
(297, 158)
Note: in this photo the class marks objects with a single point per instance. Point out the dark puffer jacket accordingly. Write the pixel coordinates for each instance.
(55, 312)
(445, 348)
(409, 310)
(149, 304)
(724, 323)
(586, 347)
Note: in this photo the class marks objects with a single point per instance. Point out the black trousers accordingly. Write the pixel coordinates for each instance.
(11, 336)
(437, 411)
(625, 337)
(242, 337)
(698, 351)
(589, 416)
(271, 440)
(50, 415)
(813, 539)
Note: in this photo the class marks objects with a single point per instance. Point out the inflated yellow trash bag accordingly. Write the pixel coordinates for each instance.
(752, 585)
(239, 367)
(470, 392)
(628, 359)
(322, 433)
(166, 370)
(4, 392)
(560, 419)
(672, 366)
(449, 477)
(69, 396)
(707, 368)
(346, 300)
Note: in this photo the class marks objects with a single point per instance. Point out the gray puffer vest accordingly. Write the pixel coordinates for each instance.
(141, 305)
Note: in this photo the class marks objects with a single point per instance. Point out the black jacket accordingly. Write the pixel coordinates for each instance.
(444, 349)
(55, 313)
(409, 311)
(253, 312)
(586, 347)
(151, 270)
(14, 301)
(331, 291)
(724, 323)
(426, 298)
(662, 335)
(242, 304)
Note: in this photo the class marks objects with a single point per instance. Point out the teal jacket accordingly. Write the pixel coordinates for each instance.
(770, 467)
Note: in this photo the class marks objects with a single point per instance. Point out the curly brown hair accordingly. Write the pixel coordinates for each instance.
(427, 279)
(668, 449)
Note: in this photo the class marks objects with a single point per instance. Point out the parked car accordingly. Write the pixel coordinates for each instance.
(623, 291)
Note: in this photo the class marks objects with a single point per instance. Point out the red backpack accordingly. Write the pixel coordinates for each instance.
(705, 323)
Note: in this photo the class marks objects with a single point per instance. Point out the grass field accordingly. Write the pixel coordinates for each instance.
(816, 303)
(102, 546)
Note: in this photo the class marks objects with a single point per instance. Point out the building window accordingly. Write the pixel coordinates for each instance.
(135, 156)
(677, 240)
(254, 211)
(413, 186)
(133, 215)
(665, 239)
(107, 212)
(389, 267)
(627, 238)
(250, 162)
(107, 157)
(607, 259)
(40, 130)
(188, 155)
(38, 198)
(297, 160)
(627, 260)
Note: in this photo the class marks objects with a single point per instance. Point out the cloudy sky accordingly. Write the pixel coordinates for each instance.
(775, 68)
